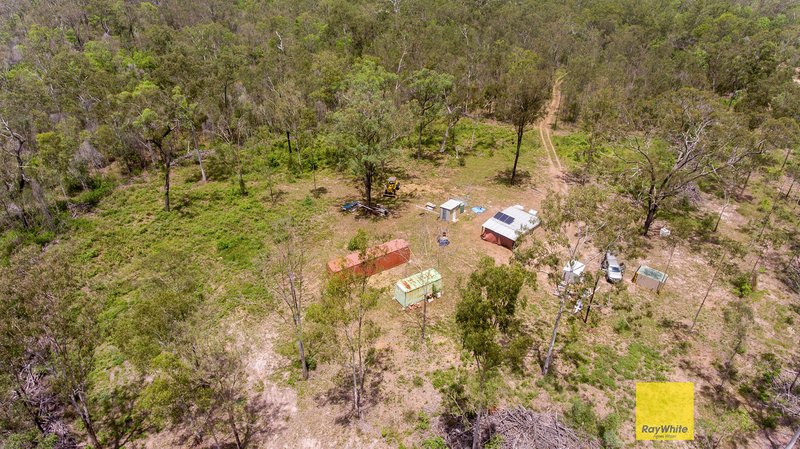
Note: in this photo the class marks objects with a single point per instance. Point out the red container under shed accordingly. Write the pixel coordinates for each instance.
(376, 259)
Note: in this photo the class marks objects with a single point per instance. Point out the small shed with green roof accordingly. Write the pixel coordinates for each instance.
(650, 277)
(418, 287)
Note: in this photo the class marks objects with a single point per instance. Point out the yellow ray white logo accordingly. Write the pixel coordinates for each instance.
(664, 411)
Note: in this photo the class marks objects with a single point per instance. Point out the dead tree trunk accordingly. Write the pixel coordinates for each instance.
(476, 430)
(793, 441)
(424, 317)
(79, 403)
(591, 298)
(710, 285)
(199, 157)
(722, 212)
(746, 181)
(786, 158)
(548, 360)
(729, 363)
(794, 382)
(296, 307)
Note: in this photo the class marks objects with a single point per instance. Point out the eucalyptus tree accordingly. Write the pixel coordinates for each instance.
(286, 274)
(286, 114)
(570, 221)
(526, 89)
(738, 316)
(722, 258)
(428, 91)
(24, 108)
(782, 134)
(683, 140)
(190, 116)
(155, 120)
(201, 386)
(344, 311)
(598, 120)
(369, 123)
(489, 328)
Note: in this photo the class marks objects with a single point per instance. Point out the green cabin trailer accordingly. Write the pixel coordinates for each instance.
(418, 287)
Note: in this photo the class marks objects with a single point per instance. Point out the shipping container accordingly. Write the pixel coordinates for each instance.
(374, 260)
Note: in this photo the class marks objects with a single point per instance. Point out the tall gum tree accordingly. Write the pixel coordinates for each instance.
(489, 328)
(368, 123)
(156, 119)
(428, 91)
(527, 87)
(681, 140)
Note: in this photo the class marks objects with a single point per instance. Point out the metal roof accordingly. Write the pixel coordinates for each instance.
(451, 204)
(355, 258)
(521, 223)
(419, 280)
(576, 267)
(652, 273)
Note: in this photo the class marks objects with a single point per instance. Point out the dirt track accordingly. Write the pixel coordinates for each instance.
(555, 170)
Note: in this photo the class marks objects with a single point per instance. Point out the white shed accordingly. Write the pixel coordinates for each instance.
(573, 271)
(449, 210)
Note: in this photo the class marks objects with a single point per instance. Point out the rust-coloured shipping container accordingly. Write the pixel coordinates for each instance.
(377, 258)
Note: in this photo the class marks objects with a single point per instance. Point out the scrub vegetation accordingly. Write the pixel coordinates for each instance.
(172, 176)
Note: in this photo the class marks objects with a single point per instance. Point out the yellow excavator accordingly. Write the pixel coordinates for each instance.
(392, 186)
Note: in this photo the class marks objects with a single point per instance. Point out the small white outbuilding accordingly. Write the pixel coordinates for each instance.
(573, 271)
(450, 210)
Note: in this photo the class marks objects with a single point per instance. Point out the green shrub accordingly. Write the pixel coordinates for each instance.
(608, 430)
(495, 442)
(621, 326)
(219, 165)
(43, 238)
(91, 198)
(741, 285)
(390, 435)
(423, 422)
(451, 385)
(359, 241)
(434, 443)
(582, 416)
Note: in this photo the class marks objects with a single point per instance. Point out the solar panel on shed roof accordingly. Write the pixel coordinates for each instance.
(504, 218)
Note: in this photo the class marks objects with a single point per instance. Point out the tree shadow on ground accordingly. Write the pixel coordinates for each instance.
(696, 370)
(503, 177)
(275, 197)
(342, 391)
(430, 155)
(457, 431)
(263, 417)
(319, 191)
(720, 396)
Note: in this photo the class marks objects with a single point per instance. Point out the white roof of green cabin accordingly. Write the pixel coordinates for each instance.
(652, 273)
(419, 280)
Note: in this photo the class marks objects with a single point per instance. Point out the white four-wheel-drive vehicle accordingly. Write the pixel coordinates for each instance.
(614, 270)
